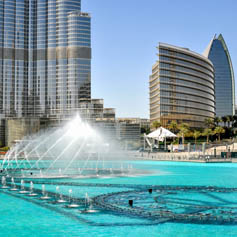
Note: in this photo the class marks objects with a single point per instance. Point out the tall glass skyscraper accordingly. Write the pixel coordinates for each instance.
(218, 53)
(45, 57)
(181, 87)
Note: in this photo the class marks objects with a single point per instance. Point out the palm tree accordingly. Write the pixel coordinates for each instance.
(224, 119)
(217, 120)
(183, 131)
(156, 124)
(209, 122)
(207, 132)
(173, 126)
(231, 118)
(228, 119)
(145, 129)
(196, 135)
(235, 120)
(219, 130)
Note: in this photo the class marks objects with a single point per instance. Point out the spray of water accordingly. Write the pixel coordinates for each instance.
(72, 150)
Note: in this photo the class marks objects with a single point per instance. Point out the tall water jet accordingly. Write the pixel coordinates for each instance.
(60, 196)
(70, 200)
(87, 201)
(23, 191)
(44, 194)
(88, 205)
(4, 183)
(13, 185)
(32, 190)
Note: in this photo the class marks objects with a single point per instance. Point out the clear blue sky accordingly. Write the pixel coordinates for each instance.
(125, 34)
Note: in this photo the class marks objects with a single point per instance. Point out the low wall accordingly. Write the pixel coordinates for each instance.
(185, 157)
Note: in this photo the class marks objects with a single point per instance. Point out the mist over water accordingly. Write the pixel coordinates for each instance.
(74, 149)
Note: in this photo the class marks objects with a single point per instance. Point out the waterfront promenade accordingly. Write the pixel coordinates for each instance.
(184, 157)
(212, 155)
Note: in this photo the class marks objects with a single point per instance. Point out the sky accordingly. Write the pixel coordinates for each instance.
(125, 35)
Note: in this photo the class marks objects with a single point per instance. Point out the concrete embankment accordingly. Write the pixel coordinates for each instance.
(184, 157)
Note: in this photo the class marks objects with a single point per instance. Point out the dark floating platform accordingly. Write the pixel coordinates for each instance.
(154, 203)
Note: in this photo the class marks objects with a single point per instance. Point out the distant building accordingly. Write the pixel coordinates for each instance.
(141, 121)
(129, 135)
(125, 132)
(92, 111)
(129, 130)
(218, 53)
(181, 87)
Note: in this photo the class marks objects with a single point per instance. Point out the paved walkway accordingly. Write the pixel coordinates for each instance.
(184, 157)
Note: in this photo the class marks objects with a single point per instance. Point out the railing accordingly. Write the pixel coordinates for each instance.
(209, 155)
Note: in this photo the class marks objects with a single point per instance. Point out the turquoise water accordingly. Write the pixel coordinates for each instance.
(24, 216)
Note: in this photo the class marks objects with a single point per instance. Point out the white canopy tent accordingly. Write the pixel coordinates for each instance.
(161, 134)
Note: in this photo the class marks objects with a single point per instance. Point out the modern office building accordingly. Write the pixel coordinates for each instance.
(218, 53)
(45, 70)
(143, 122)
(45, 58)
(45, 62)
(131, 131)
(181, 87)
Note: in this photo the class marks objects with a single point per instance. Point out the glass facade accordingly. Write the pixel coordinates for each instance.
(45, 57)
(218, 53)
(181, 87)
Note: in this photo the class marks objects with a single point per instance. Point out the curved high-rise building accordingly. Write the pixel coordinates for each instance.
(45, 57)
(218, 53)
(181, 87)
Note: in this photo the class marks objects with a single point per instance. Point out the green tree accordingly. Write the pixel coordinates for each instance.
(156, 124)
(224, 119)
(183, 131)
(235, 121)
(209, 123)
(145, 129)
(173, 126)
(231, 119)
(217, 120)
(207, 133)
(228, 119)
(196, 135)
(219, 130)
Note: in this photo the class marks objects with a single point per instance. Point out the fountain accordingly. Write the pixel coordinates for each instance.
(44, 194)
(23, 191)
(32, 194)
(60, 196)
(72, 150)
(4, 183)
(71, 204)
(13, 185)
(88, 207)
